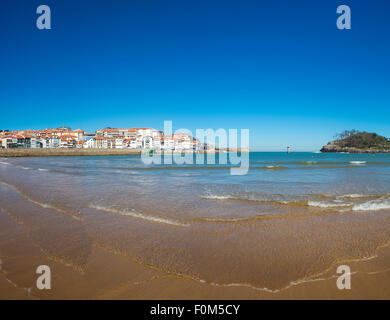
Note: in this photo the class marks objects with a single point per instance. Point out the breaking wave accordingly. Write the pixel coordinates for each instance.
(216, 197)
(373, 205)
(135, 214)
(353, 195)
(324, 201)
(326, 204)
(274, 167)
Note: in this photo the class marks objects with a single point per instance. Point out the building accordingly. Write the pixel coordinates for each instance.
(107, 138)
(68, 141)
(6, 142)
(49, 141)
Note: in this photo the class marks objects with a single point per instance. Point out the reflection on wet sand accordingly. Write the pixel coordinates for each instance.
(160, 235)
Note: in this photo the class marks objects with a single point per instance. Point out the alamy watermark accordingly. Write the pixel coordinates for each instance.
(206, 147)
(344, 281)
(44, 20)
(44, 280)
(343, 21)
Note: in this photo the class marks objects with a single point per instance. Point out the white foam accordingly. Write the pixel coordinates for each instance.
(373, 205)
(274, 167)
(357, 162)
(132, 213)
(39, 169)
(216, 197)
(353, 195)
(323, 204)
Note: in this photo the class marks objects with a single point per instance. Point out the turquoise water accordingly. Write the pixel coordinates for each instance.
(274, 184)
(287, 220)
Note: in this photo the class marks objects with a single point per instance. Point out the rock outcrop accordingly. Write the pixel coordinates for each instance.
(360, 142)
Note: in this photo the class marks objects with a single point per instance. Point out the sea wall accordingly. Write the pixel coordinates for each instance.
(65, 152)
(10, 153)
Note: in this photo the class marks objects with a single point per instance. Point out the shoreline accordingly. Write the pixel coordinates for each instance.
(15, 153)
(369, 281)
(59, 218)
(136, 279)
(56, 152)
(353, 150)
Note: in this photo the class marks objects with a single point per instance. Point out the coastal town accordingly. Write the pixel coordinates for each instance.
(107, 138)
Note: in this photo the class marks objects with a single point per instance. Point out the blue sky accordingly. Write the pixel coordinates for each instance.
(280, 68)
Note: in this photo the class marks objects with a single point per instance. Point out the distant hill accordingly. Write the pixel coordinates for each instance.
(358, 142)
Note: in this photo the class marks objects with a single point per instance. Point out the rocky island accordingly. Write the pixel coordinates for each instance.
(358, 142)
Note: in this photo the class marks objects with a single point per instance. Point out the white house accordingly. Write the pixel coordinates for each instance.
(89, 143)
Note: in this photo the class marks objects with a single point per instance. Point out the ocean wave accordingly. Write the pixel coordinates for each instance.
(135, 214)
(252, 198)
(324, 201)
(312, 162)
(373, 205)
(24, 167)
(42, 204)
(216, 197)
(339, 203)
(317, 162)
(225, 220)
(127, 172)
(326, 204)
(353, 195)
(177, 167)
(274, 167)
(203, 167)
(241, 219)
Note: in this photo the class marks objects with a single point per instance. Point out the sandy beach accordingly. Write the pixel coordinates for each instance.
(114, 228)
(110, 272)
(200, 150)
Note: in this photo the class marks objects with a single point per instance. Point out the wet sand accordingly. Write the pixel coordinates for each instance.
(370, 280)
(136, 233)
(87, 263)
